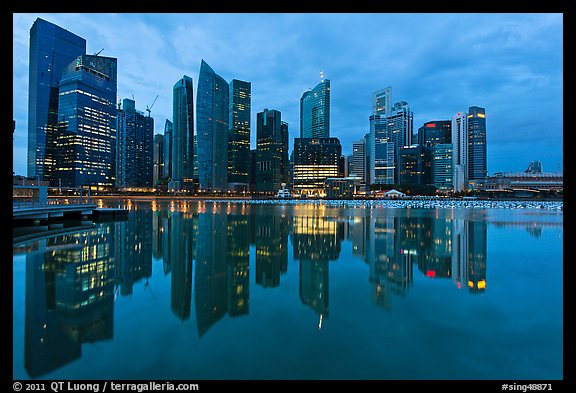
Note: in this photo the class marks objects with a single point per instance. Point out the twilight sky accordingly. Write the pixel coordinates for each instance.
(511, 64)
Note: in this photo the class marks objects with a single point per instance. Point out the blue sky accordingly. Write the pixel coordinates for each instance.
(511, 64)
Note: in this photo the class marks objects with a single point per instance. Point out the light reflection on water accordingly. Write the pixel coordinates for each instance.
(366, 277)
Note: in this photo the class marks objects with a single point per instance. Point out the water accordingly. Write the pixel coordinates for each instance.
(202, 290)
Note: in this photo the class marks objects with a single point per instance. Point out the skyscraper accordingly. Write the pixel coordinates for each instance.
(477, 143)
(134, 147)
(212, 129)
(391, 127)
(359, 159)
(51, 49)
(271, 151)
(459, 151)
(182, 135)
(441, 169)
(167, 150)
(381, 152)
(239, 135)
(433, 132)
(382, 101)
(86, 142)
(315, 111)
(400, 130)
(158, 157)
(411, 164)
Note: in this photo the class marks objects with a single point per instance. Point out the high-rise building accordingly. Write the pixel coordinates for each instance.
(433, 132)
(477, 169)
(382, 101)
(411, 164)
(212, 130)
(167, 174)
(271, 151)
(429, 135)
(182, 136)
(134, 147)
(381, 152)
(239, 135)
(158, 157)
(459, 151)
(52, 48)
(86, 142)
(315, 160)
(400, 130)
(441, 170)
(315, 111)
(391, 127)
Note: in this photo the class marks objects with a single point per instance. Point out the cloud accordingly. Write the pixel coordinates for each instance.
(511, 64)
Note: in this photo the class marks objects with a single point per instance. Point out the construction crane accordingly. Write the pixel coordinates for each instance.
(149, 108)
(97, 53)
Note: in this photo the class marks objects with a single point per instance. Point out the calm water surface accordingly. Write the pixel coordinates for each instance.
(202, 290)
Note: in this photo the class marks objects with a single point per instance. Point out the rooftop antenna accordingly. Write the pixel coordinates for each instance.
(149, 108)
(97, 53)
(321, 76)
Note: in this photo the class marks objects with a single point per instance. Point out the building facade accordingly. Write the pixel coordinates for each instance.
(381, 165)
(52, 49)
(429, 135)
(212, 130)
(182, 176)
(315, 160)
(477, 169)
(239, 135)
(391, 127)
(167, 173)
(400, 130)
(359, 160)
(86, 142)
(271, 151)
(412, 159)
(433, 132)
(134, 147)
(459, 151)
(441, 169)
(315, 111)
(158, 159)
(382, 101)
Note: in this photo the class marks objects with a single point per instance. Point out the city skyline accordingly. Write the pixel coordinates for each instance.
(497, 71)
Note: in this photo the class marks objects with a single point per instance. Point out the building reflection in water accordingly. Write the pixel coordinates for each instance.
(316, 240)
(441, 247)
(133, 250)
(72, 280)
(69, 297)
(271, 238)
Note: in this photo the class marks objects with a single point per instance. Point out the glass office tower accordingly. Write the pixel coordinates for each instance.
(86, 142)
(212, 130)
(134, 147)
(477, 169)
(51, 49)
(315, 111)
(167, 150)
(239, 135)
(271, 151)
(182, 135)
